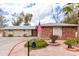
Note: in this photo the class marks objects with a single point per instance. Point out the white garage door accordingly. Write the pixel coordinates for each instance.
(57, 31)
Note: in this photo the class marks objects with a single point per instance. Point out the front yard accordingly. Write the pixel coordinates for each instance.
(48, 51)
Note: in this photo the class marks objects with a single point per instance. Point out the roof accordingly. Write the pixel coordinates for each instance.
(33, 27)
(59, 24)
(19, 27)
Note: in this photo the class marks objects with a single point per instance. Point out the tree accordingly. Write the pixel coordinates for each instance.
(27, 19)
(3, 21)
(70, 11)
(22, 18)
(57, 14)
(17, 22)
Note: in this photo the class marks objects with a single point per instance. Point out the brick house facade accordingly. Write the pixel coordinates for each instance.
(68, 30)
(62, 30)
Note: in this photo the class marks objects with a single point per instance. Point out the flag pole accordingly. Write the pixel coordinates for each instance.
(38, 26)
(38, 29)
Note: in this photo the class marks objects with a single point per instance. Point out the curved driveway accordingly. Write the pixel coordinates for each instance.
(6, 44)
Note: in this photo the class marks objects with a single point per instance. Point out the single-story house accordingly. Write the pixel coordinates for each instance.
(60, 29)
(18, 31)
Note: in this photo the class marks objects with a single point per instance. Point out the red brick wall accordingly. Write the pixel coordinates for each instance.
(66, 32)
(46, 32)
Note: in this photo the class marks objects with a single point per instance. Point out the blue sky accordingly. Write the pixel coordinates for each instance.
(41, 10)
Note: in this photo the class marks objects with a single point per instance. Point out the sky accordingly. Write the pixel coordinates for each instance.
(41, 10)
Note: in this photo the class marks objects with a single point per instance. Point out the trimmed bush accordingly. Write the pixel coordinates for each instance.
(53, 38)
(10, 35)
(39, 44)
(71, 41)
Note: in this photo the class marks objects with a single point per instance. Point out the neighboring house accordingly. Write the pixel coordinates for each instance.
(18, 31)
(62, 30)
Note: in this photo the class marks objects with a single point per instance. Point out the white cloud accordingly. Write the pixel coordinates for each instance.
(42, 8)
(48, 19)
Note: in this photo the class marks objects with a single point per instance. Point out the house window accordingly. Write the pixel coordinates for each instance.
(34, 32)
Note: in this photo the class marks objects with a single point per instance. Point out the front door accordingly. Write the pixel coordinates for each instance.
(57, 31)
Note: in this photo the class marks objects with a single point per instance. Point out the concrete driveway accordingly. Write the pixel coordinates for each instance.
(6, 44)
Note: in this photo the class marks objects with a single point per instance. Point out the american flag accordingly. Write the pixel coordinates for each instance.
(39, 28)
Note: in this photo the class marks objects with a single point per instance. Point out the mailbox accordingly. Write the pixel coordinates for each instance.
(33, 43)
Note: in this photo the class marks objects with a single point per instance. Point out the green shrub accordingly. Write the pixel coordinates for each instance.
(10, 35)
(39, 44)
(53, 38)
(71, 41)
(77, 41)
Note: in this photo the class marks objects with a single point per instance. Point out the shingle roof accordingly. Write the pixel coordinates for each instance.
(19, 27)
(59, 24)
(33, 27)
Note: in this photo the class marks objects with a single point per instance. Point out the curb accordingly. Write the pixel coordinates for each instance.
(14, 47)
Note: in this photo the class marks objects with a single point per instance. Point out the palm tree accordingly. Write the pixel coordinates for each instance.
(69, 10)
